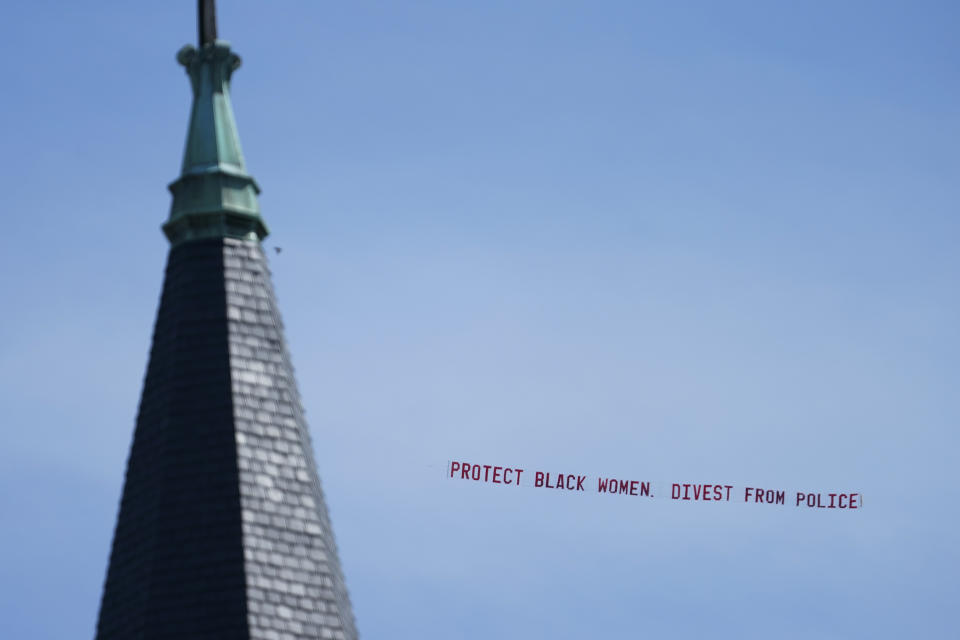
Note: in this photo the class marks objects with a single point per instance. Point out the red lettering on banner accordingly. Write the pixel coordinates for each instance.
(623, 487)
(482, 472)
(704, 492)
(678, 491)
(565, 481)
(837, 500)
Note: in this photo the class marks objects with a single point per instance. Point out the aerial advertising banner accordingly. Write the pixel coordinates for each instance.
(511, 476)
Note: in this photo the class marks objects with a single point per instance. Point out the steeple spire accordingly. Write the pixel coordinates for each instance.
(223, 529)
(214, 195)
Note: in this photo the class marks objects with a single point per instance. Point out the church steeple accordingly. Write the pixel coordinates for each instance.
(214, 195)
(223, 530)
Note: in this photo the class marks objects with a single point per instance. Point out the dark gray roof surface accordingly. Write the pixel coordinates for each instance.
(223, 530)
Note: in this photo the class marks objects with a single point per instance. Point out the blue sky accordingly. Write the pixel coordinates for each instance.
(683, 242)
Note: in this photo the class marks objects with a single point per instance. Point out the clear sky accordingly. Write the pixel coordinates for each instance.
(673, 241)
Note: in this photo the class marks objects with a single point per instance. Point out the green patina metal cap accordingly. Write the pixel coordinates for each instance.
(214, 195)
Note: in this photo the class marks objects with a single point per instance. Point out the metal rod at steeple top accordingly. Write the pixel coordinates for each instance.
(207, 21)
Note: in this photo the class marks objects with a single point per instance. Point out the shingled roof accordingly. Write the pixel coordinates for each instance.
(223, 531)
